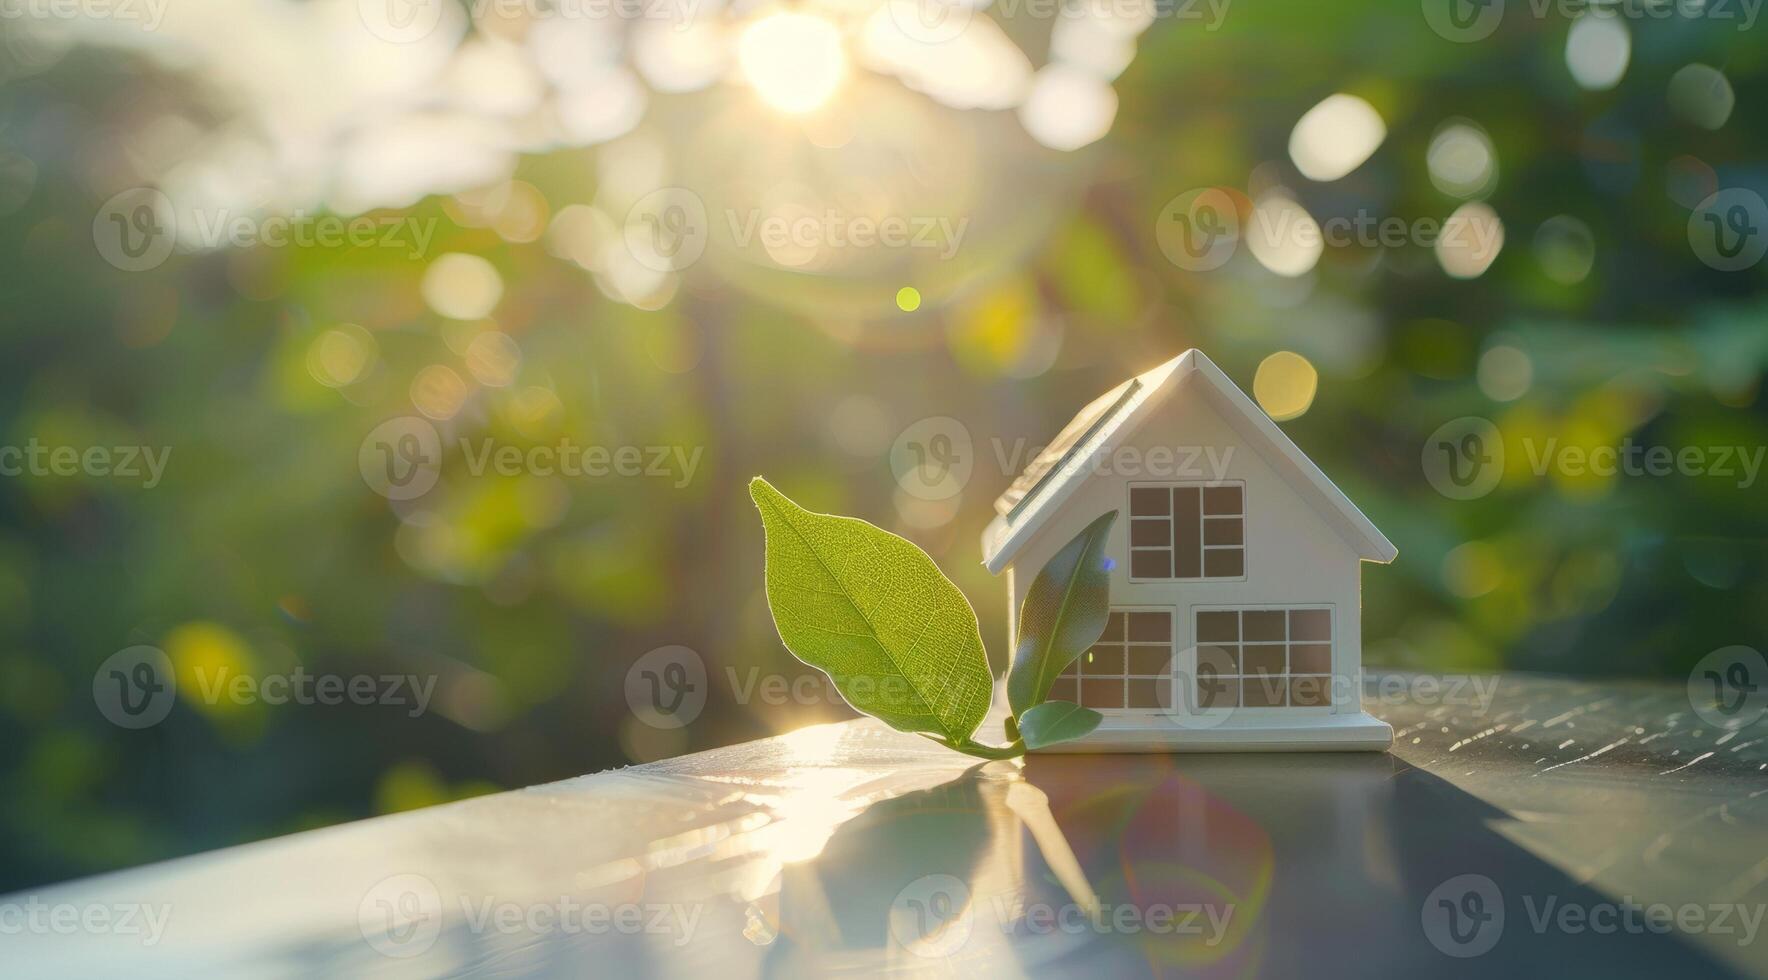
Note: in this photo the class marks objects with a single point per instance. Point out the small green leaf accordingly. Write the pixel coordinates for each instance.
(873, 612)
(1057, 721)
(1064, 612)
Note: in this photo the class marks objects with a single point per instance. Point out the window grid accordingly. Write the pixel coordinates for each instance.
(1264, 658)
(1130, 667)
(1187, 531)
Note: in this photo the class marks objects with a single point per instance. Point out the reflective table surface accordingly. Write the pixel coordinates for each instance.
(1520, 823)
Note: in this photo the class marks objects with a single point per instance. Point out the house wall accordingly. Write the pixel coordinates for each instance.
(1293, 555)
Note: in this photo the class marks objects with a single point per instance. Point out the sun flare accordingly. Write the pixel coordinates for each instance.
(794, 61)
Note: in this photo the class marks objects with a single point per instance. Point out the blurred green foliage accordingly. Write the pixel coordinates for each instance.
(528, 596)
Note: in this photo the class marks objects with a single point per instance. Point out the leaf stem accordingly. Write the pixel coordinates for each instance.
(1013, 750)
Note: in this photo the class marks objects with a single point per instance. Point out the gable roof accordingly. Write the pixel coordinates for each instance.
(1109, 421)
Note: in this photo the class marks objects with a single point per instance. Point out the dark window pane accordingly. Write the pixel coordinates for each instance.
(1264, 659)
(1264, 624)
(1113, 629)
(1222, 500)
(1150, 660)
(1187, 532)
(1223, 530)
(1310, 658)
(1097, 693)
(1213, 692)
(1158, 531)
(1155, 627)
(1310, 624)
(1149, 694)
(1264, 692)
(1102, 661)
(1213, 626)
(1150, 501)
(1151, 564)
(1309, 692)
(1214, 660)
(1064, 690)
(1224, 564)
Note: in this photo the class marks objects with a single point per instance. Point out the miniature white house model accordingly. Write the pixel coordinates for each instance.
(1235, 569)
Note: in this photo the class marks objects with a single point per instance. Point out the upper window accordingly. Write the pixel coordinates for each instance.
(1188, 530)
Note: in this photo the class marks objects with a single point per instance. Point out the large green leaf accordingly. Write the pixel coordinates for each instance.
(1064, 612)
(1056, 721)
(873, 612)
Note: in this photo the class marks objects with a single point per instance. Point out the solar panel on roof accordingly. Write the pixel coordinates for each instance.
(1057, 455)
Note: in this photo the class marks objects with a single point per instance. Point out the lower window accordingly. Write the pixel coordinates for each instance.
(1130, 666)
(1264, 658)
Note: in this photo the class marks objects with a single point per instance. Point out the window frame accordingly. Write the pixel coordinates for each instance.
(1170, 678)
(1202, 520)
(1192, 654)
